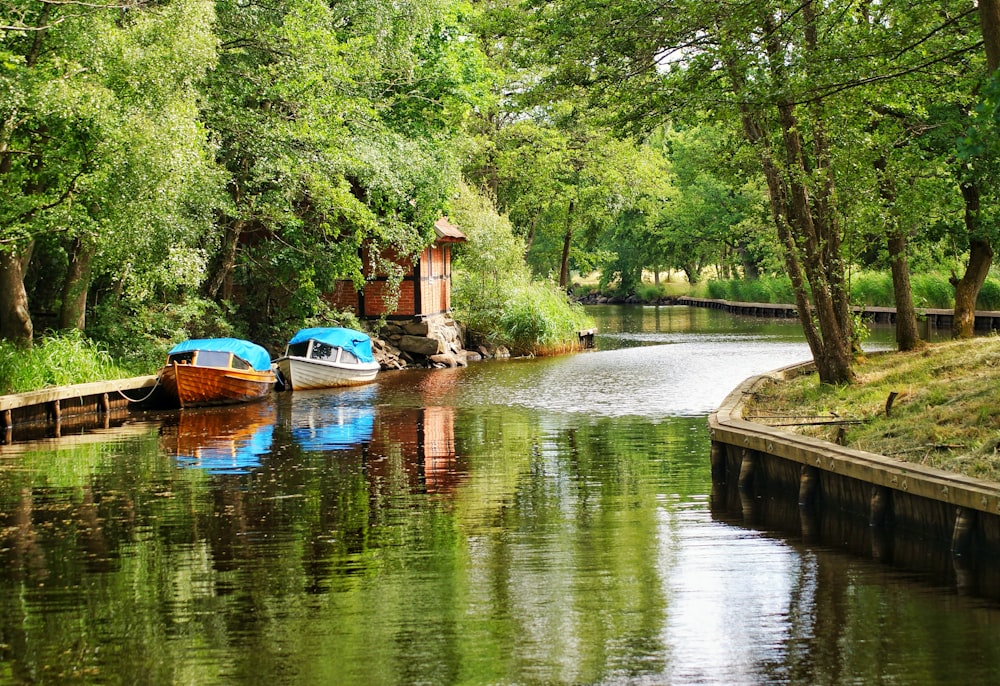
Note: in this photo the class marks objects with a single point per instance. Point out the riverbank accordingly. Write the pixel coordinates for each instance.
(935, 407)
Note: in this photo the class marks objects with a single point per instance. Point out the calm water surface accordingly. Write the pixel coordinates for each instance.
(523, 522)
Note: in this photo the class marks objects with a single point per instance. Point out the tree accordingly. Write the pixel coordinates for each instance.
(333, 124)
(782, 70)
(100, 144)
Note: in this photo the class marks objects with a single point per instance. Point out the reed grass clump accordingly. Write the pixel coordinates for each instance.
(54, 360)
(494, 294)
(767, 289)
(873, 288)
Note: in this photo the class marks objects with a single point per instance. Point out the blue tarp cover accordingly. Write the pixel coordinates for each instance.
(355, 341)
(227, 456)
(258, 358)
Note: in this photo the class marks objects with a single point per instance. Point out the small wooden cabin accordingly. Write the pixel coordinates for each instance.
(426, 286)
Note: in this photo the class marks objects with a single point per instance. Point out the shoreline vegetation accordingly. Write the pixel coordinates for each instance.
(936, 406)
(943, 410)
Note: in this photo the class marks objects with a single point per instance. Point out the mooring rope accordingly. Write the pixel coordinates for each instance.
(140, 400)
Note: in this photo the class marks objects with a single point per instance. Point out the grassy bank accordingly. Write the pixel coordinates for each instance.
(946, 412)
(56, 360)
(930, 290)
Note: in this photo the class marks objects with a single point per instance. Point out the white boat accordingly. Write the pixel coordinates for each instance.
(325, 357)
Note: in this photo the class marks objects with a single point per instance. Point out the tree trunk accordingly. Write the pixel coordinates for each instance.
(989, 23)
(567, 240)
(15, 319)
(980, 259)
(751, 271)
(806, 227)
(980, 251)
(531, 235)
(226, 260)
(73, 311)
(907, 333)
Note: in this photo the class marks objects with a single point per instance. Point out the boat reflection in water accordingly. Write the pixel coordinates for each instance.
(414, 446)
(409, 446)
(221, 440)
(333, 420)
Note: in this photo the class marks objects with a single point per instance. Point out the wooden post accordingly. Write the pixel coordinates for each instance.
(747, 468)
(808, 485)
(961, 537)
(8, 426)
(878, 507)
(56, 409)
(878, 515)
(748, 502)
(718, 460)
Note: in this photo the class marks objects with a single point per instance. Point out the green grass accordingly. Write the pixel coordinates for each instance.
(54, 360)
(531, 319)
(945, 415)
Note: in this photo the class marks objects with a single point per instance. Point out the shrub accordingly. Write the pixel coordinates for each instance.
(989, 296)
(872, 288)
(932, 290)
(767, 289)
(493, 293)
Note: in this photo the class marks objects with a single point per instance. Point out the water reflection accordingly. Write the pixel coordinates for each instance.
(542, 521)
(332, 420)
(221, 440)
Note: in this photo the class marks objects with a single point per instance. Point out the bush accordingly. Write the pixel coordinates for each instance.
(872, 288)
(54, 360)
(767, 289)
(139, 335)
(537, 319)
(493, 293)
(932, 290)
(989, 296)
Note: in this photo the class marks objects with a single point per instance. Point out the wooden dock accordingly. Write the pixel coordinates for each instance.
(51, 410)
(986, 320)
(900, 512)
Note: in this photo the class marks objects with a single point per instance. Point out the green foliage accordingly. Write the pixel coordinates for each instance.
(872, 288)
(537, 319)
(494, 294)
(989, 295)
(54, 360)
(930, 290)
(763, 290)
(138, 334)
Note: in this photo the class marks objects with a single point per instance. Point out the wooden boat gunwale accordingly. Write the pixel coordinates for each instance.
(356, 372)
(177, 377)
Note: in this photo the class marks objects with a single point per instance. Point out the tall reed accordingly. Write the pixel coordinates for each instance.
(54, 360)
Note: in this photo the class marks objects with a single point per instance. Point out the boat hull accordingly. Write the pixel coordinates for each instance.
(302, 374)
(193, 386)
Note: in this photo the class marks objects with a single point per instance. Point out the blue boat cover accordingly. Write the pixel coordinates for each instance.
(355, 341)
(258, 358)
(231, 457)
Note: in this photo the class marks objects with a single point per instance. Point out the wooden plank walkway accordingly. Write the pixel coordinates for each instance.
(986, 320)
(50, 406)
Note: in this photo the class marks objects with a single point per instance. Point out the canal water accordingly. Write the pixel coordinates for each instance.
(538, 521)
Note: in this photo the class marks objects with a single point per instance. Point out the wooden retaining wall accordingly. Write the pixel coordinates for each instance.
(986, 320)
(50, 411)
(911, 516)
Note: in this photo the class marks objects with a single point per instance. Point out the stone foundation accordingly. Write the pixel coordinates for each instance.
(434, 341)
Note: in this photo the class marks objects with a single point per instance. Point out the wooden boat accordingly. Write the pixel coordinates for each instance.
(326, 357)
(217, 371)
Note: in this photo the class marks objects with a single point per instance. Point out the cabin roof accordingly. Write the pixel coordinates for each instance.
(447, 232)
